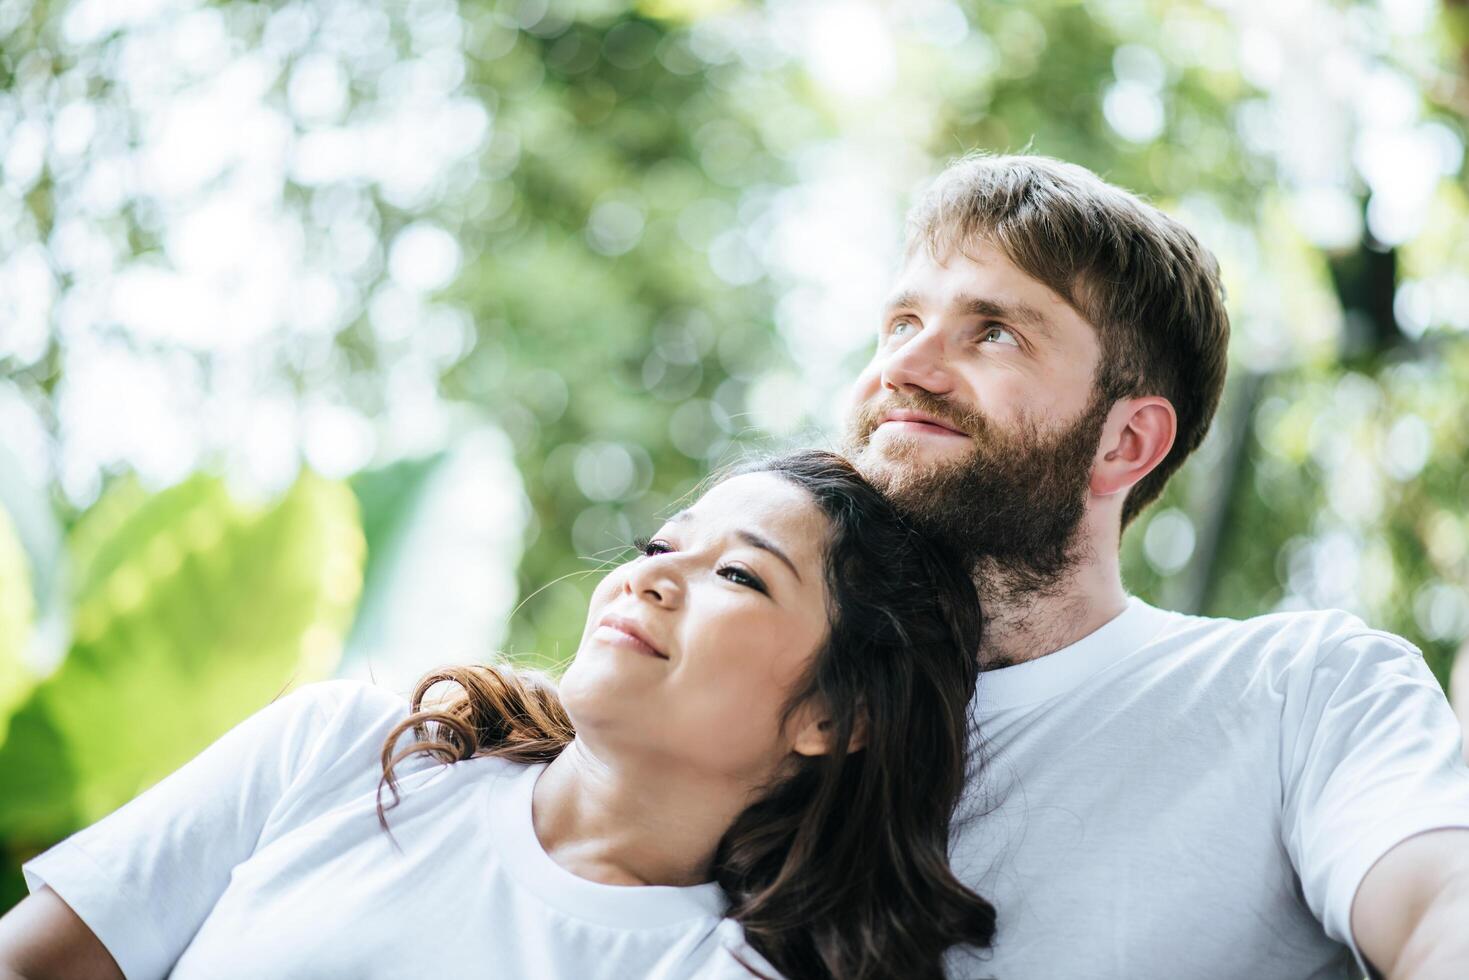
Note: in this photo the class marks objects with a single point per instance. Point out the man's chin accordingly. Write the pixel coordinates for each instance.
(891, 462)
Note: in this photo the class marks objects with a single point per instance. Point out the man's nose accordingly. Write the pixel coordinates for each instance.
(921, 362)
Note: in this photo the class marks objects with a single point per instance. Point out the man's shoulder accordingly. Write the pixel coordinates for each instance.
(1287, 635)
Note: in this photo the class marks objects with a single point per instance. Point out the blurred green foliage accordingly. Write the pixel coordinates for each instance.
(614, 314)
(191, 612)
(16, 612)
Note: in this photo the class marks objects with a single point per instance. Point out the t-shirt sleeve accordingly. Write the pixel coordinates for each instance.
(1371, 757)
(145, 877)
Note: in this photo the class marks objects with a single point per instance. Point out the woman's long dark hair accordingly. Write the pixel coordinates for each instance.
(841, 869)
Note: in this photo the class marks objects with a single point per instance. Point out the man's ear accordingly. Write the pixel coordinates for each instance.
(811, 730)
(1135, 438)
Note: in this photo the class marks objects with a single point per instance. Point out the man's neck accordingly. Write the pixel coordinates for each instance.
(1023, 622)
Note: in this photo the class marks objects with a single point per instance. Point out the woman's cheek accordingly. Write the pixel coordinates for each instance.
(753, 666)
(607, 589)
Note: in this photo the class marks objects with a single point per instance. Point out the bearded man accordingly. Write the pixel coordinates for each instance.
(1160, 795)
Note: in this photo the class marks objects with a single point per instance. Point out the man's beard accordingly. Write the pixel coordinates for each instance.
(1011, 507)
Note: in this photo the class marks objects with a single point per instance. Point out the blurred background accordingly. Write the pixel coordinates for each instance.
(348, 338)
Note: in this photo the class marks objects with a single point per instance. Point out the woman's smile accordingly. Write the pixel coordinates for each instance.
(620, 631)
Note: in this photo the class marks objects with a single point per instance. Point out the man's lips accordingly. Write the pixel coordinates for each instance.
(624, 632)
(919, 423)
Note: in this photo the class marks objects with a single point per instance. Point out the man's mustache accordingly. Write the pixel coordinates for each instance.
(959, 419)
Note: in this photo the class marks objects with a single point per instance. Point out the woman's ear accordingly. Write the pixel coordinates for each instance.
(811, 729)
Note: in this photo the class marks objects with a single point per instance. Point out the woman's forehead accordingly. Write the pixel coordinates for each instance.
(767, 504)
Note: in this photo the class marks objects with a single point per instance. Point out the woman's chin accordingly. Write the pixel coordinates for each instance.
(604, 686)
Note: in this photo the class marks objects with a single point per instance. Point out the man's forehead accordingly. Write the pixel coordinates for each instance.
(983, 271)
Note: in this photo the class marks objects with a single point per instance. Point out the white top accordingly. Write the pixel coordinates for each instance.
(263, 857)
(1174, 796)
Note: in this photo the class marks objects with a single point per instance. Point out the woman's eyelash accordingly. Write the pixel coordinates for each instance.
(648, 546)
(740, 576)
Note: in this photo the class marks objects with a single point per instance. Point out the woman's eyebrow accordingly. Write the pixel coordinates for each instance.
(764, 544)
(750, 538)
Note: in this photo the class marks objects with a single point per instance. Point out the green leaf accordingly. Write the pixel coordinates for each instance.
(206, 610)
(17, 612)
(124, 519)
(37, 781)
(388, 497)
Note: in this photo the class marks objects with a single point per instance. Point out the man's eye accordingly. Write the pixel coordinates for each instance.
(999, 335)
(900, 327)
(740, 576)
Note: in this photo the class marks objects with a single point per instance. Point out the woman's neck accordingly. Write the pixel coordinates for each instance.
(622, 822)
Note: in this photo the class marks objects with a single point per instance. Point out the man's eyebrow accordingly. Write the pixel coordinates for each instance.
(906, 299)
(1020, 314)
(764, 544)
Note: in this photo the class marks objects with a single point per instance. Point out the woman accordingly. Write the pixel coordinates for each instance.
(749, 769)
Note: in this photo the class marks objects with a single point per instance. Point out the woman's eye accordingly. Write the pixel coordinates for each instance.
(739, 576)
(652, 546)
(999, 335)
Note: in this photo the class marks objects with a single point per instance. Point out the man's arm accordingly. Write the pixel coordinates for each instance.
(1410, 917)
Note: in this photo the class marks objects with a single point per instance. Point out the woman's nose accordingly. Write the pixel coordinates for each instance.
(656, 579)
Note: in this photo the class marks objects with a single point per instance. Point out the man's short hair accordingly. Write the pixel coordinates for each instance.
(1139, 277)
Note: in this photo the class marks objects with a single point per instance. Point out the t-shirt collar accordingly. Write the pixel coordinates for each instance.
(624, 907)
(1056, 673)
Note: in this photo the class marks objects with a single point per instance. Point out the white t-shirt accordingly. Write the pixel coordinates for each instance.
(1174, 796)
(263, 857)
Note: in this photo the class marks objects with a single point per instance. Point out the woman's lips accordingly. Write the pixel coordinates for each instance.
(620, 632)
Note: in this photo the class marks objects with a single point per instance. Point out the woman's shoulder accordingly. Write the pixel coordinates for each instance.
(352, 721)
(301, 720)
(341, 763)
(346, 694)
(336, 729)
(342, 709)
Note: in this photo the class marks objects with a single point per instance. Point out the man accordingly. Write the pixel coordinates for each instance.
(1160, 795)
